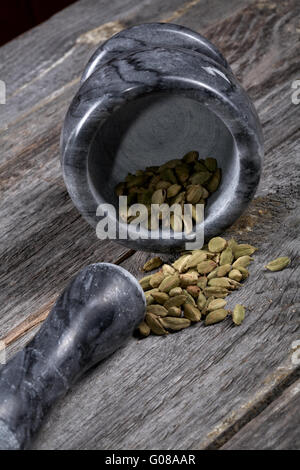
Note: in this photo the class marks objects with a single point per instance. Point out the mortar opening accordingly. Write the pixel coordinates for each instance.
(152, 130)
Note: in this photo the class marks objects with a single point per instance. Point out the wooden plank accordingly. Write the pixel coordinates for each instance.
(194, 389)
(277, 427)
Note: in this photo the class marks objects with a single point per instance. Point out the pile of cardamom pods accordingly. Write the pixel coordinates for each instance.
(195, 286)
(189, 180)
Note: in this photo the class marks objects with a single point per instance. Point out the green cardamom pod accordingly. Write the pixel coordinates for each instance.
(152, 263)
(191, 312)
(175, 324)
(216, 316)
(238, 314)
(217, 244)
(278, 264)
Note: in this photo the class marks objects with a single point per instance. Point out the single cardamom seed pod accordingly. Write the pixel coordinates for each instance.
(169, 283)
(193, 291)
(195, 259)
(188, 298)
(211, 164)
(213, 184)
(202, 282)
(159, 196)
(242, 261)
(232, 244)
(223, 270)
(226, 256)
(235, 274)
(155, 324)
(278, 264)
(206, 267)
(167, 270)
(216, 304)
(157, 279)
(217, 244)
(175, 291)
(171, 163)
(152, 263)
(175, 324)
(243, 250)
(182, 173)
(163, 185)
(156, 309)
(145, 282)
(181, 262)
(191, 312)
(238, 314)
(144, 329)
(200, 166)
(193, 193)
(160, 297)
(149, 298)
(212, 274)
(220, 282)
(179, 199)
(216, 316)
(173, 190)
(188, 279)
(175, 301)
(216, 291)
(200, 177)
(244, 272)
(201, 301)
(191, 157)
(174, 312)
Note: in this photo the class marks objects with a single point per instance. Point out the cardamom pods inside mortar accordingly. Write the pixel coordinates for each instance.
(188, 180)
(194, 287)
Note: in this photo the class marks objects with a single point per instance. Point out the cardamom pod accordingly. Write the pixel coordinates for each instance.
(160, 297)
(226, 256)
(202, 282)
(188, 279)
(175, 324)
(193, 194)
(188, 298)
(235, 274)
(216, 291)
(242, 261)
(155, 309)
(191, 157)
(181, 262)
(216, 304)
(175, 291)
(175, 301)
(167, 270)
(155, 324)
(219, 282)
(174, 312)
(243, 250)
(152, 263)
(223, 270)
(238, 314)
(278, 264)
(201, 301)
(217, 244)
(244, 272)
(211, 164)
(145, 282)
(169, 283)
(193, 291)
(216, 316)
(163, 185)
(213, 184)
(191, 312)
(157, 279)
(173, 190)
(144, 329)
(159, 196)
(200, 177)
(195, 259)
(206, 267)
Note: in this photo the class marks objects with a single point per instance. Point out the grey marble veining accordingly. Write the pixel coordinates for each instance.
(150, 94)
(93, 317)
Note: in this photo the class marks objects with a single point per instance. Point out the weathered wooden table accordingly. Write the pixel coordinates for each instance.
(220, 387)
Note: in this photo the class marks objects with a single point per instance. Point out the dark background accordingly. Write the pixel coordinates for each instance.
(17, 16)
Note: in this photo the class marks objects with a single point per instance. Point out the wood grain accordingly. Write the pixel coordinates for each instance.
(198, 388)
(277, 427)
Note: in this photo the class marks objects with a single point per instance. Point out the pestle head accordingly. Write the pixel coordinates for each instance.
(92, 318)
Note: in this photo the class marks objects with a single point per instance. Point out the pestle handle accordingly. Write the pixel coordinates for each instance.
(95, 314)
